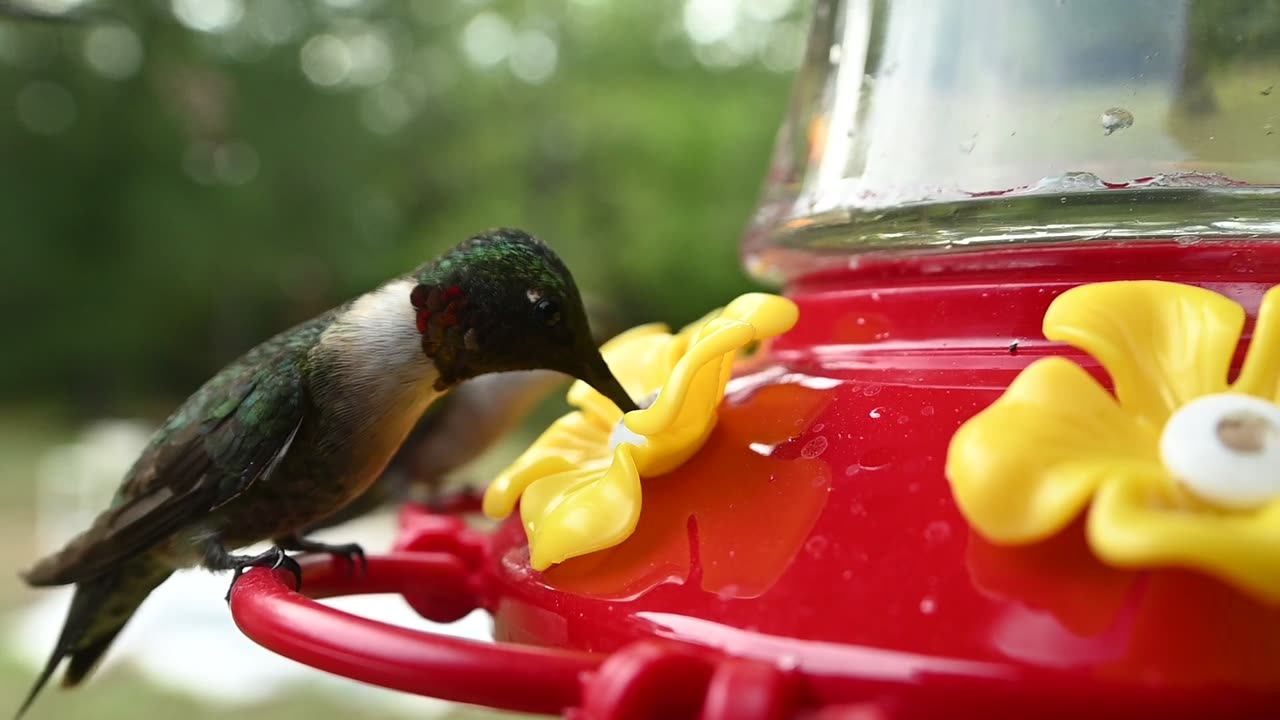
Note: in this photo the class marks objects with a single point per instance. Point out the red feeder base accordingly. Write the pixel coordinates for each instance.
(810, 560)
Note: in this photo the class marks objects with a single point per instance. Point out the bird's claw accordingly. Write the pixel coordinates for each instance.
(356, 553)
(274, 559)
(350, 552)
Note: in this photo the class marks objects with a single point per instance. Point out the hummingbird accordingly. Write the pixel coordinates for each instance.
(459, 428)
(303, 424)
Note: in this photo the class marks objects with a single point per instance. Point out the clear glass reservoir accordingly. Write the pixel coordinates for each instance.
(925, 125)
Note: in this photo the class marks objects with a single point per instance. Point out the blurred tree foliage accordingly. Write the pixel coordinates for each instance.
(180, 182)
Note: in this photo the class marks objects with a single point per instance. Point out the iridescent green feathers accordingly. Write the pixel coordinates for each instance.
(490, 261)
(225, 437)
(501, 301)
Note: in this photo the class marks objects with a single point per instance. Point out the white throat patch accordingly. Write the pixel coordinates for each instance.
(376, 342)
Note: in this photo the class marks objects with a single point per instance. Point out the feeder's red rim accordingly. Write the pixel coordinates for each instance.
(678, 676)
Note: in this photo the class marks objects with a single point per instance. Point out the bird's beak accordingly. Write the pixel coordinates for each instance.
(597, 374)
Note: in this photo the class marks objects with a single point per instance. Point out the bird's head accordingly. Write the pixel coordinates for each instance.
(504, 301)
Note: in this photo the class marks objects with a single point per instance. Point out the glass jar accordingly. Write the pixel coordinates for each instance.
(918, 125)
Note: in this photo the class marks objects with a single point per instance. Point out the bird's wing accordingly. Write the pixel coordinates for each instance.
(191, 468)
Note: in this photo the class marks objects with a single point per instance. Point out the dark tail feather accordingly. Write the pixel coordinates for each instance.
(99, 610)
(49, 667)
(86, 658)
(79, 618)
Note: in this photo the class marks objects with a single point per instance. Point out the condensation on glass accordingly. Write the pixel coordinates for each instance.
(936, 124)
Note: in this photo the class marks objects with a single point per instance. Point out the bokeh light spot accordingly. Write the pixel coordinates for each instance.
(113, 51)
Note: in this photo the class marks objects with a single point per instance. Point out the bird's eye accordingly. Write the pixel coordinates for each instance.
(547, 312)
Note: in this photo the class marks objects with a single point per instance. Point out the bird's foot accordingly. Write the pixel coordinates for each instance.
(273, 559)
(351, 552)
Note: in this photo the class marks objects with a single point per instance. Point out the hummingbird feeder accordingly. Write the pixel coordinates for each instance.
(1006, 445)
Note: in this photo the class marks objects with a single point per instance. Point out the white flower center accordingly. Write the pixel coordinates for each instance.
(621, 434)
(1225, 448)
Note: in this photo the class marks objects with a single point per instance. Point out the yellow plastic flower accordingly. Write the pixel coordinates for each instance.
(579, 484)
(1178, 467)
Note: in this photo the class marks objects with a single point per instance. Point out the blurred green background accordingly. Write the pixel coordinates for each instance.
(181, 179)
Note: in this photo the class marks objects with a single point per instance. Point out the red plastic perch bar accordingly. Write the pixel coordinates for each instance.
(510, 677)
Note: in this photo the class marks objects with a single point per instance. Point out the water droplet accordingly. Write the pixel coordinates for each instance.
(871, 390)
(818, 481)
(814, 447)
(1242, 261)
(846, 575)
(937, 531)
(819, 427)
(1186, 240)
(928, 606)
(729, 592)
(903, 419)
(875, 459)
(788, 663)
(967, 146)
(852, 470)
(876, 413)
(927, 411)
(1115, 118)
(816, 545)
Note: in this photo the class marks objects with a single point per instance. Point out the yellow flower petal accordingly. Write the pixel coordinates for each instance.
(550, 491)
(1260, 374)
(770, 314)
(750, 317)
(579, 512)
(577, 496)
(626, 338)
(599, 409)
(636, 359)
(570, 441)
(1163, 344)
(1025, 467)
(690, 331)
(501, 496)
(1134, 523)
(721, 338)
